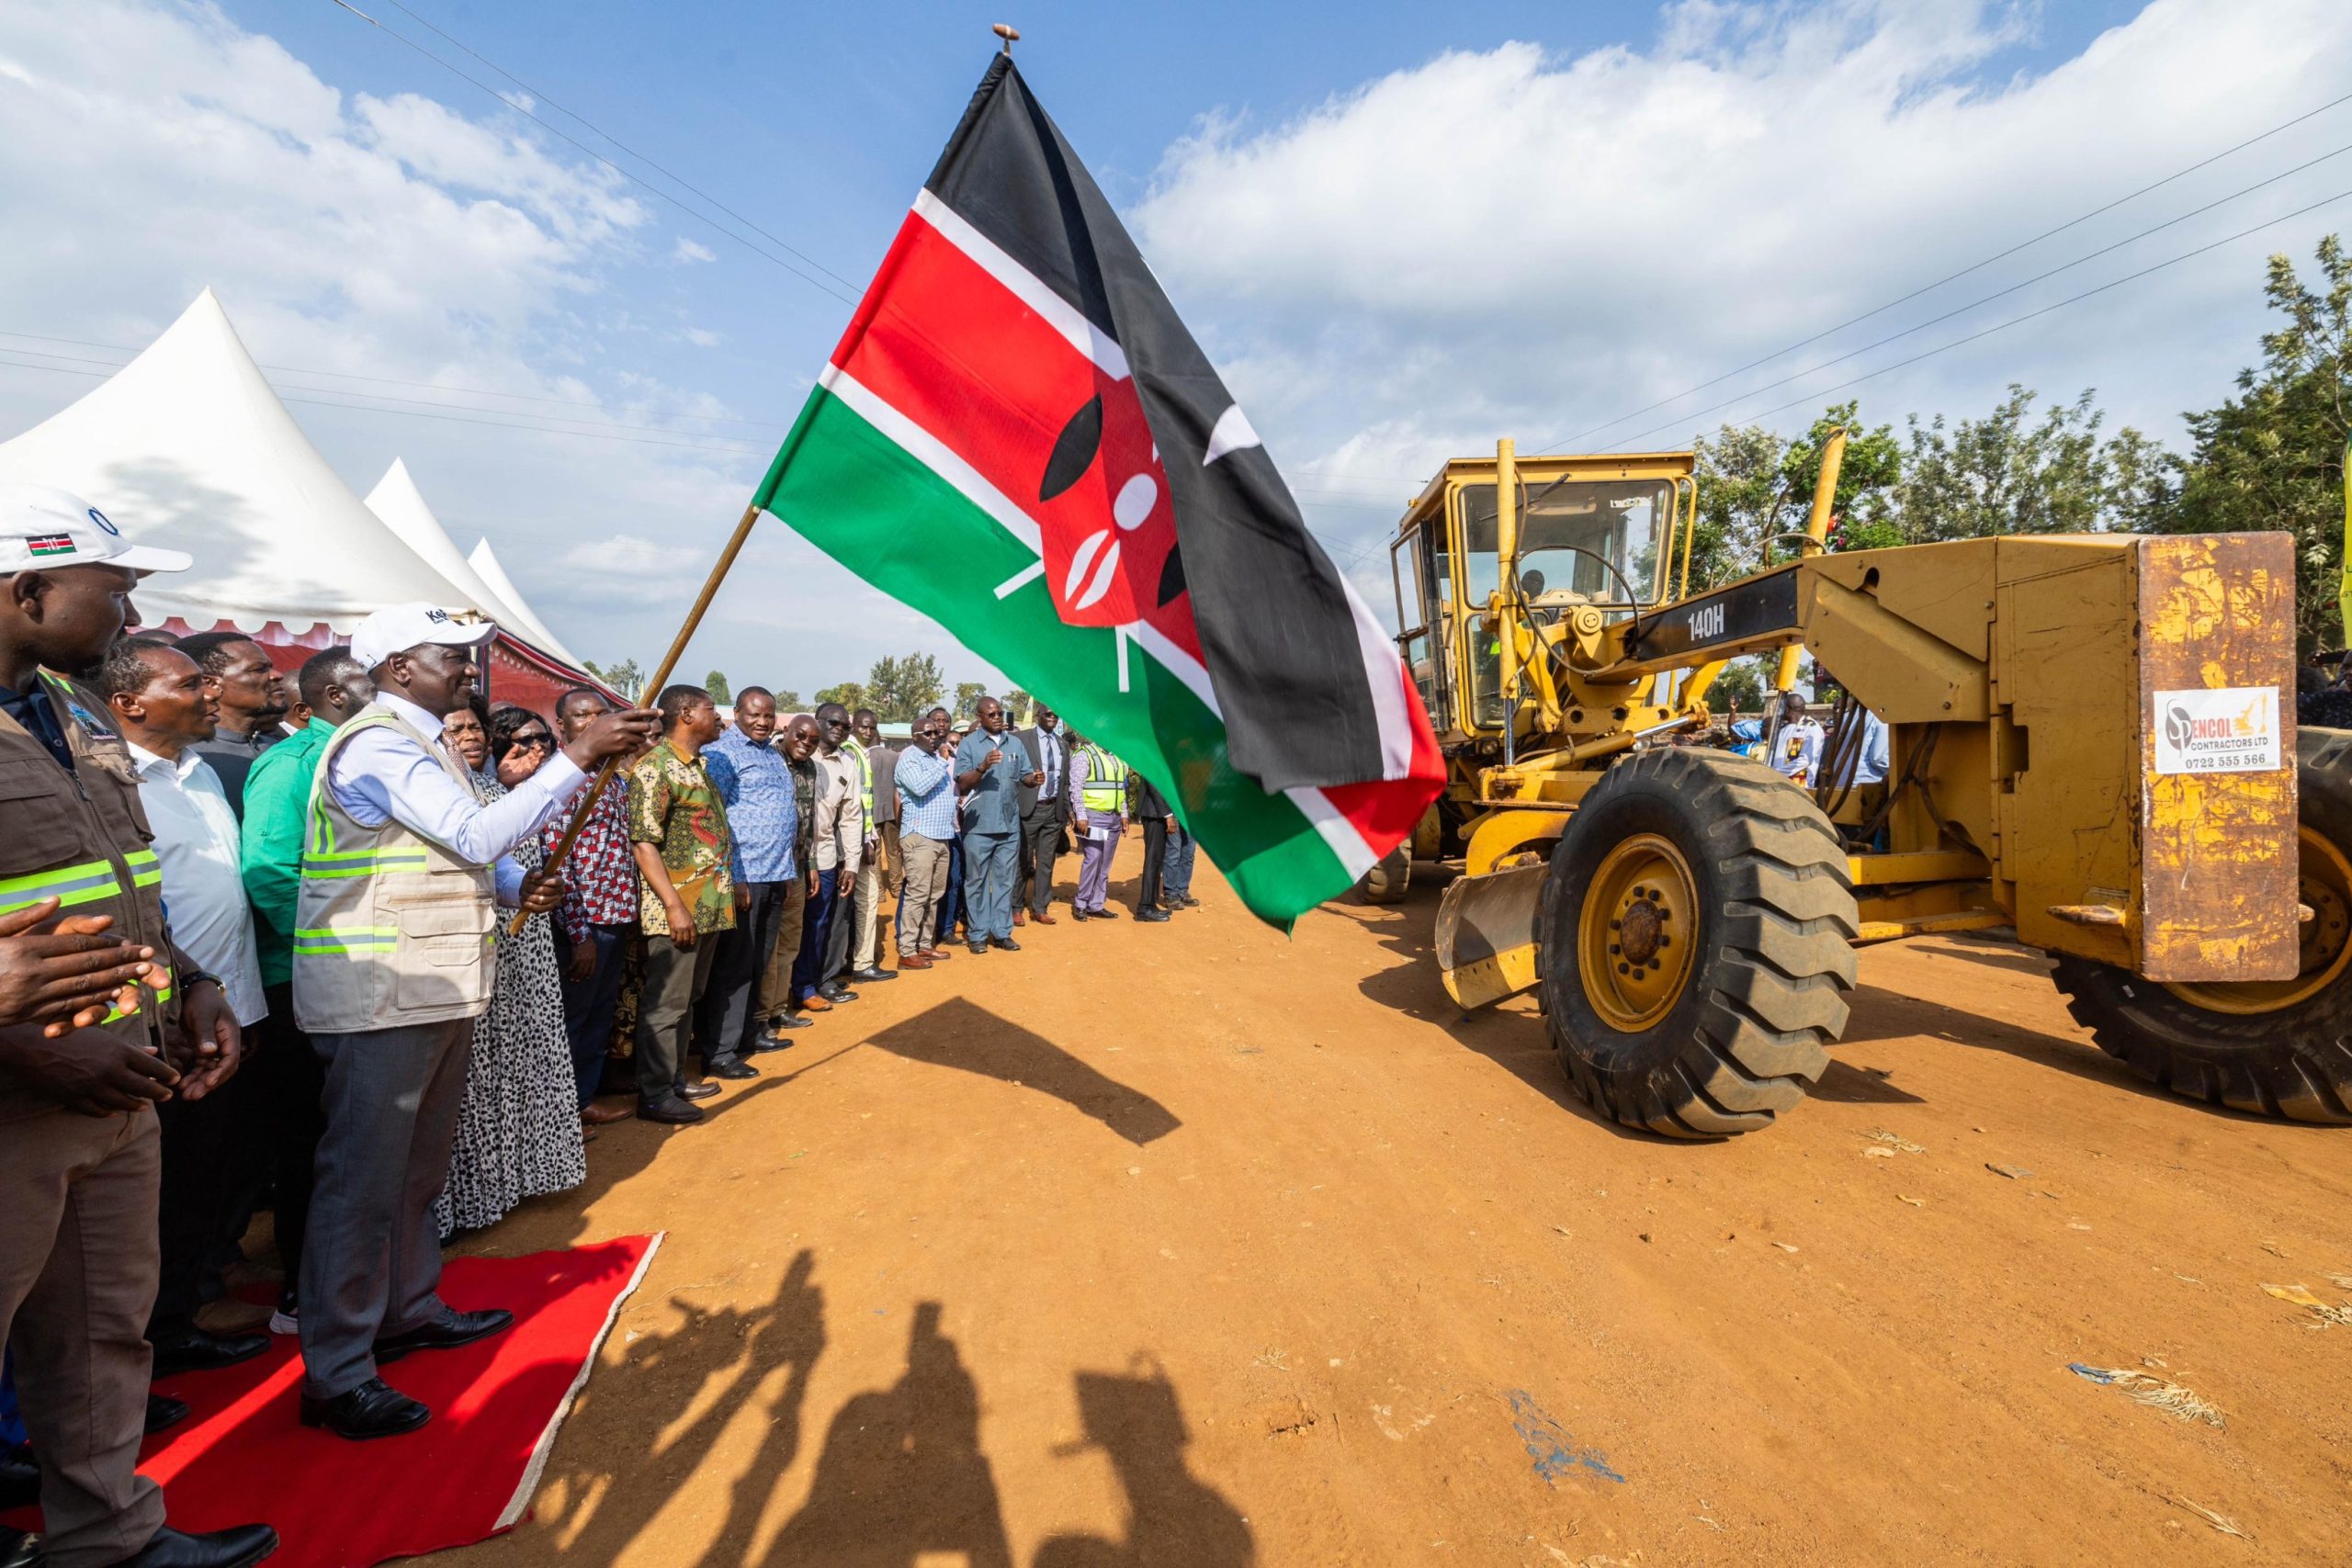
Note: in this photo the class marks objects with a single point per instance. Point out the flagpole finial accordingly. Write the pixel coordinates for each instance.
(1009, 33)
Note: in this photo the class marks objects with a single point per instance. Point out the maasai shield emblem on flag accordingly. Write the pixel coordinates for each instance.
(1018, 437)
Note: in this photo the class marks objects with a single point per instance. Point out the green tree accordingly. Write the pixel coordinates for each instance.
(899, 689)
(2272, 458)
(849, 694)
(967, 698)
(1018, 702)
(716, 684)
(1739, 689)
(1756, 489)
(787, 702)
(625, 677)
(2012, 473)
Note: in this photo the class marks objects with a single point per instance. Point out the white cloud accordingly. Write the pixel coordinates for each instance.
(1524, 243)
(149, 148)
(691, 251)
(701, 337)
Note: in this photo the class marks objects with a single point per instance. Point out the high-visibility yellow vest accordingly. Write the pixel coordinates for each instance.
(865, 776)
(1106, 782)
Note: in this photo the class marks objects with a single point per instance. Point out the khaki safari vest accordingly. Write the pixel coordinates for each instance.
(83, 838)
(391, 929)
(1106, 782)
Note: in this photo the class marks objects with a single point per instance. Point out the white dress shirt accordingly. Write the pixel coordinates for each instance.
(382, 776)
(197, 846)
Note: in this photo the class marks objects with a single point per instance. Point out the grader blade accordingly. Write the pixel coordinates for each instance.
(1486, 935)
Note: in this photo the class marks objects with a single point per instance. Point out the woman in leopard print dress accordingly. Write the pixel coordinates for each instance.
(518, 1131)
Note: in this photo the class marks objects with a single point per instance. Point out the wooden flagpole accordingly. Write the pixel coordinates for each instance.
(653, 687)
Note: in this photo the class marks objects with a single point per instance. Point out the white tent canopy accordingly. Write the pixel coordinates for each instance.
(189, 447)
(527, 624)
(406, 513)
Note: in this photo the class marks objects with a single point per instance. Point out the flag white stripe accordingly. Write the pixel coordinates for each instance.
(1026, 286)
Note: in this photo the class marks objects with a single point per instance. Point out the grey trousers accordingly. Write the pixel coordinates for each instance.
(991, 863)
(371, 1259)
(675, 978)
(918, 897)
(78, 1264)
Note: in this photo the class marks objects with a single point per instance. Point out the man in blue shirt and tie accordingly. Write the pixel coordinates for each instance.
(991, 767)
(1044, 810)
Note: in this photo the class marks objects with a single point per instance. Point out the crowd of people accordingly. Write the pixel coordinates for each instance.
(307, 949)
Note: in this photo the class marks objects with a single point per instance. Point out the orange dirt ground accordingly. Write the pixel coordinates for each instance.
(1191, 1245)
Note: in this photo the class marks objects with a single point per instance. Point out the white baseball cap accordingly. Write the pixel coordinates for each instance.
(44, 527)
(403, 627)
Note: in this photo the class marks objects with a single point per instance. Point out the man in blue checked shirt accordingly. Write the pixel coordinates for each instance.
(737, 1018)
(926, 785)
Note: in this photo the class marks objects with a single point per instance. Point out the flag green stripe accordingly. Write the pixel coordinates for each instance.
(873, 506)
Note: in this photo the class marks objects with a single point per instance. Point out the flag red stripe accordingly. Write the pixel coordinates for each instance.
(954, 349)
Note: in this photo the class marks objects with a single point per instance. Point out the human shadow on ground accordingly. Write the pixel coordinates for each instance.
(961, 1034)
(901, 1474)
(1173, 1517)
(681, 1390)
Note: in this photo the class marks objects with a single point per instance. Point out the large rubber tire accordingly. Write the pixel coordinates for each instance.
(1763, 993)
(1390, 875)
(2294, 1061)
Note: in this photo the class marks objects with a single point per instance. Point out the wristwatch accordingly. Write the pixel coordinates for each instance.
(197, 977)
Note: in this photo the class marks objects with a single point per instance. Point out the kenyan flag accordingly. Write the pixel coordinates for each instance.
(1018, 437)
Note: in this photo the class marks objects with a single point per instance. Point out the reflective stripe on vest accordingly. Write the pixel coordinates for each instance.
(70, 884)
(117, 1014)
(356, 939)
(865, 777)
(1106, 783)
(363, 863)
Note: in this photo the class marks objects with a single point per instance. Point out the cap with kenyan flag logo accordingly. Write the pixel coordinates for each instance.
(42, 527)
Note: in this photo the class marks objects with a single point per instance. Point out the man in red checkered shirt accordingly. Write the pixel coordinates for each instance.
(598, 912)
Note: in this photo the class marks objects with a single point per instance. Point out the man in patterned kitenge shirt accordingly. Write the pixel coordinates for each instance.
(599, 909)
(678, 830)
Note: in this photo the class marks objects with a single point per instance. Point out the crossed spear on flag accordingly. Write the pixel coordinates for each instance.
(1017, 436)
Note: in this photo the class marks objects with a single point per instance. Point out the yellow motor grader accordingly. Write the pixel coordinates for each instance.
(2090, 742)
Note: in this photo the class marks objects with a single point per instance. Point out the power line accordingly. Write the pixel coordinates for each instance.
(2017, 321)
(384, 380)
(1997, 294)
(1964, 272)
(625, 147)
(591, 152)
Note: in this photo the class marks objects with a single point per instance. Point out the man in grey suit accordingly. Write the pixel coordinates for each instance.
(1044, 810)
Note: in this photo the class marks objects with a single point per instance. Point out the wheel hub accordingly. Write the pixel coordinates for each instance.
(2324, 882)
(1638, 932)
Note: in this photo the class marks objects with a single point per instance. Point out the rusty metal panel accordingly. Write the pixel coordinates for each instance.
(2217, 757)
(2066, 780)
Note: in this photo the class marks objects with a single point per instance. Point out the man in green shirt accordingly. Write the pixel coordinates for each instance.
(677, 826)
(289, 1075)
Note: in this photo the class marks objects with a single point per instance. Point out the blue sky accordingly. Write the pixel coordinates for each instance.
(1402, 232)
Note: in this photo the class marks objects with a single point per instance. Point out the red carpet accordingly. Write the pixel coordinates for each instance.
(242, 1457)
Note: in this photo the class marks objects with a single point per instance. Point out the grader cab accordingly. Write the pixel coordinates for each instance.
(2091, 744)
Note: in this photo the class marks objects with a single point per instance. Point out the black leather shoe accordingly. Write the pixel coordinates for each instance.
(730, 1068)
(448, 1331)
(193, 1350)
(672, 1109)
(834, 991)
(1105, 913)
(1151, 914)
(790, 1021)
(872, 976)
(1189, 901)
(1005, 943)
(163, 1412)
(236, 1547)
(979, 947)
(374, 1409)
(1076, 913)
(693, 1090)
